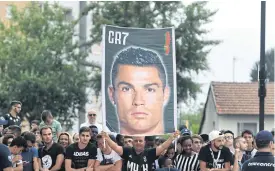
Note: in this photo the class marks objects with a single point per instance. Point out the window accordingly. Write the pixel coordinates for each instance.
(247, 126)
(8, 11)
(68, 15)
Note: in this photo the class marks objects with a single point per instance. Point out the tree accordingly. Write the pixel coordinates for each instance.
(269, 61)
(40, 63)
(191, 47)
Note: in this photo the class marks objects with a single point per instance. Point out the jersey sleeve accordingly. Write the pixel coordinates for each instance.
(69, 152)
(5, 158)
(35, 152)
(93, 152)
(126, 153)
(203, 155)
(99, 155)
(152, 154)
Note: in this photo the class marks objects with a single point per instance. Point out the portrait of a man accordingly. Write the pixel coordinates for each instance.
(139, 91)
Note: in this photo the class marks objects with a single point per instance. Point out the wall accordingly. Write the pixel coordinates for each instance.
(210, 116)
(231, 122)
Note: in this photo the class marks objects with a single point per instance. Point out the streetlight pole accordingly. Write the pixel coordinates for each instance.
(262, 72)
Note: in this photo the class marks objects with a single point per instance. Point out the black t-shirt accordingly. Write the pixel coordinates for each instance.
(140, 162)
(5, 157)
(12, 120)
(262, 161)
(80, 157)
(205, 155)
(48, 157)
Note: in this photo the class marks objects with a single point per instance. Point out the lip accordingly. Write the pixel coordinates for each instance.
(139, 113)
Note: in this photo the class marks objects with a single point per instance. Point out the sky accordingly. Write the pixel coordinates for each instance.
(237, 24)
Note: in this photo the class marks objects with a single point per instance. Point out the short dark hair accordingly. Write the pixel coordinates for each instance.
(247, 132)
(45, 127)
(15, 103)
(6, 138)
(93, 126)
(228, 131)
(19, 142)
(184, 138)
(84, 129)
(45, 114)
(35, 122)
(98, 136)
(262, 143)
(15, 129)
(29, 136)
(140, 57)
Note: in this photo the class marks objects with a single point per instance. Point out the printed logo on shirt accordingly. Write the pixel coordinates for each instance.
(81, 153)
(47, 161)
(131, 166)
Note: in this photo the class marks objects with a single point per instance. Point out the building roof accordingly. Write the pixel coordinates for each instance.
(233, 98)
(241, 98)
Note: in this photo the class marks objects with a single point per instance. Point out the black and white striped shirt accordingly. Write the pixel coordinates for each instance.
(184, 163)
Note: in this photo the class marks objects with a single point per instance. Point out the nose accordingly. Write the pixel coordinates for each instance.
(138, 99)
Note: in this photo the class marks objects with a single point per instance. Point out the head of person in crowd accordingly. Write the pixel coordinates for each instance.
(84, 135)
(37, 134)
(229, 137)
(47, 117)
(168, 163)
(197, 143)
(2, 123)
(248, 136)
(216, 139)
(100, 143)
(186, 145)
(91, 115)
(64, 139)
(170, 152)
(30, 139)
(94, 132)
(182, 127)
(205, 138)
(15, 107)
(150, 142)
(185, 132)
(128, 141)
(240, 143)
(35, 124)
(119, 139)
(264, 141)
(7, 139)
(139, 144)
(47, 135)
(15, 130)
(17, 145)
(76, 137)
(7, 131)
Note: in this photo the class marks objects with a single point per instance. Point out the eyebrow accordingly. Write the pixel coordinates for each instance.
(130, 85)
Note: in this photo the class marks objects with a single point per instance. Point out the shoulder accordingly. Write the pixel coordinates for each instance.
(4, 149)
(55, 122)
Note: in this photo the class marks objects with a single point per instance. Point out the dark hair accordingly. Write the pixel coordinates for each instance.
(6, 138)
(93, 126)
(84, 129)
(182, 127)
(262, 143)
(34, 130)
(140, 57)
(247, 132)
(15, 129)
(35, 122)
(15, 103)
(98, 136)
(29, 136)
(228, 131)
(19, 142)
(45, 114)
(45, 127)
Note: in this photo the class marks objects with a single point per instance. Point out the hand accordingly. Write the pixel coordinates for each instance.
(175, 134)
(89, 169)
(238, 153)
(16, 158)
(104, 135)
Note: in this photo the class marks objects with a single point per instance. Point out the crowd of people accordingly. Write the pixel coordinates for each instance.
(46, 148)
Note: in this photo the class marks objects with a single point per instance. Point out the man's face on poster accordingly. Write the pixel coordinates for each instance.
(139, 96)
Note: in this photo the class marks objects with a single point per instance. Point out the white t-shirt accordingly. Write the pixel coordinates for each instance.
(111, 158)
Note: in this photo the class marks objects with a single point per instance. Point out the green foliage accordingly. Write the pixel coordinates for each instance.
(40, 63)
(193, 119)
(269, 60)
(191, 47)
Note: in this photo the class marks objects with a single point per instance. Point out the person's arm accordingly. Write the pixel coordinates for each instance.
(68, 164)
(35, 164)
(166, 144)
(116, 166)
(203, 166)
(19, 167)
(58, 163)
(118, 149)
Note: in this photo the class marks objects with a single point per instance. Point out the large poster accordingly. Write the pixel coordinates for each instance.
(139, 80)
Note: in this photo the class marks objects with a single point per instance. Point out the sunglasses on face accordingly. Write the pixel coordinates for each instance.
(92, 115)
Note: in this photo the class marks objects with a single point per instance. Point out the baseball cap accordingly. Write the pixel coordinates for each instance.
(3, 121)
(215, 134)
(185, 131)
(264, 136)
